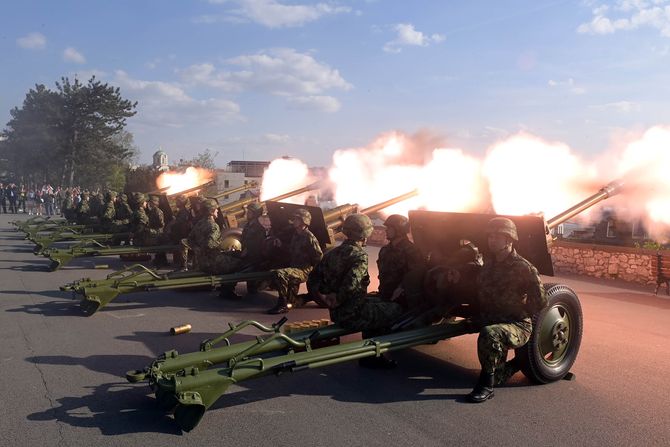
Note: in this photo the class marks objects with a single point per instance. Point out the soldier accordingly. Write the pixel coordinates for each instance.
(139, 221)
(342, 279)
(509, 293)
(107, 220)
(205, 241)
(123, 210)
(304, 252)
(252, 255)
(83, 213)
(179, 229)
(396, 259)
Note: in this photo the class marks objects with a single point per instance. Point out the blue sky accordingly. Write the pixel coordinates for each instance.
(257, 79)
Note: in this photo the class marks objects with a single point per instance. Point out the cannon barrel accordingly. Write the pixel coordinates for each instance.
(237, 206)
(228, 192)
(159, 190)
(605, 192)
(190, 190)
(336, 216)
(310, 187)
(389, 202)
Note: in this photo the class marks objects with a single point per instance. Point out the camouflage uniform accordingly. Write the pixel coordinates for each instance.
(205, 240)
(344, 271)
(83, 213)
(107, 219)
(151, 232)
(253, 242)
(304, 253)
(395, 260)
(179, 229)
(67, 210)
(139, 223)
(123, 212)
(509, 293)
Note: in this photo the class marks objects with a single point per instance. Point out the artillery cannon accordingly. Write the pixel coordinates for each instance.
(188, 384)
(90, 245)
(62, 230)
(98, 293)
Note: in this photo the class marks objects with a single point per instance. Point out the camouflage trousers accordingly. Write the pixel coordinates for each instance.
(496, 339)
(287, 282)
(367, 314)
(218, 262)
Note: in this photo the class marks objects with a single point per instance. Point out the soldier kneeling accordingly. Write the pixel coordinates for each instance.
(342, 279)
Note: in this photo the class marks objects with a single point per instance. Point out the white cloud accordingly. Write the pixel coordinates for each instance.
(283, 72)
(167, 104)
(628, 15)
(72, 55)
(568, 85)
(406, 35)
(32, 41)
(272, 13)
(315, 102)
(619, 106)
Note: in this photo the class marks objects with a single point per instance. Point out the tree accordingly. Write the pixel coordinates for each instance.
(73, 135)
(94, 114)
(202, 160)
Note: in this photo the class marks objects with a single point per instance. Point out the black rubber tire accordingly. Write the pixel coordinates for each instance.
(557, 335)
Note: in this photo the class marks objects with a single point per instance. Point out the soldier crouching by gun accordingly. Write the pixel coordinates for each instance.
(253, 255)
(304, 252)
(342, 279)
(509, 292)
(205, 241)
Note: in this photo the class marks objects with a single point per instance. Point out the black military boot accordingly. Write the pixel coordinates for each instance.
(484, 389)
(228, 292)
(510, 368)
(280, 308)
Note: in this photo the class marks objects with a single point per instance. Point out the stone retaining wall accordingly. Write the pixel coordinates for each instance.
(604, 261)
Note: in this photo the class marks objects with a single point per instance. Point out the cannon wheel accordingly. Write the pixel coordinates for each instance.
(557, 335)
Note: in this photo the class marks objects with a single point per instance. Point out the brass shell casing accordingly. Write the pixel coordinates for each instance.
(184, 328)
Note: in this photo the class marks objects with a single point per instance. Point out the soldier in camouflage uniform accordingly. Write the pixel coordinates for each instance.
(83, 213)
(396, 259)
(205, 241)
(342, 279)
(154, 229)
(123, 211)
(178, 229)
(252, 255)
(139, 221)
(509, 293)
(304, 253)
(107, 219)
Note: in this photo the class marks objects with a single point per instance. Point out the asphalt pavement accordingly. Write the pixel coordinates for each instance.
(63, 374)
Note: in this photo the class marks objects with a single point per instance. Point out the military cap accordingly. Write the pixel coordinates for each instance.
(397, 222)
(255, 208)
(502, 225)
(357, 226)
(210, 205)
(303, 215)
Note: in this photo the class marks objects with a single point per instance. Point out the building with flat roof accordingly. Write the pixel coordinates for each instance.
(253, 169)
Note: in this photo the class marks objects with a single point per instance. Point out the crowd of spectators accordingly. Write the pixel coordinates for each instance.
(45, 200)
